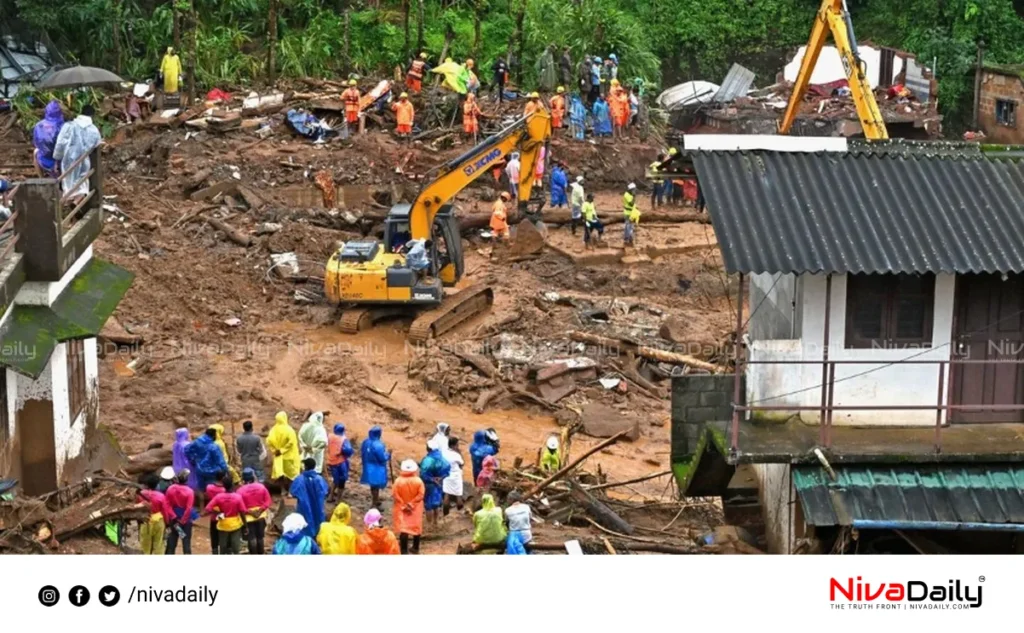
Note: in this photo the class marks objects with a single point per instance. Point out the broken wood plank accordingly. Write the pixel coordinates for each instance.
(233, 234)
(600, 512)
(532, 492)
(613, 484)
(197, 180)
(225, 187)
(651, 353)
(484, 365)
(253, 199)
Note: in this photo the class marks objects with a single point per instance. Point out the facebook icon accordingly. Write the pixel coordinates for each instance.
(79, 596)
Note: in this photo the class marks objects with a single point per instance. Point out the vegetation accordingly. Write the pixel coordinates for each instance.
(661, 40)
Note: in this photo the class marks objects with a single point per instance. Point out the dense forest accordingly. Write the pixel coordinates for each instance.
(664, 41)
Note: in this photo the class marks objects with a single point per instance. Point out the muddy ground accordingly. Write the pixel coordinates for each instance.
(225, 340)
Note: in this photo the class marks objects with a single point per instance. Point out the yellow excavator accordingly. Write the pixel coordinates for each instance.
(370, 278)
(834, 16)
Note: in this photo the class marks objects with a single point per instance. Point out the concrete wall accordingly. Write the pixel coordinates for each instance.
(995, 86)
(697, 399)
(778, 501)
(895, 384)
(774, 297)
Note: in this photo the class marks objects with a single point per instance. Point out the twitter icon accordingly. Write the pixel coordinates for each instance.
(109, 596)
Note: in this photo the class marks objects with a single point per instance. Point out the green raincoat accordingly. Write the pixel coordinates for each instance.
(488, 523)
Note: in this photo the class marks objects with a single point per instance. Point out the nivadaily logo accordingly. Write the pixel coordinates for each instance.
(911, 594)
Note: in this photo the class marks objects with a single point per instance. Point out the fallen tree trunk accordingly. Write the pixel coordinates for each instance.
(233, 234)
(149, 461)
(532, 492)
(613, 484)
(650, 353)
(563, 216)
(599, 511)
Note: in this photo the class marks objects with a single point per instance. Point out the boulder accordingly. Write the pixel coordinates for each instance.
(673, 329)
(602, 421)
(529, 239)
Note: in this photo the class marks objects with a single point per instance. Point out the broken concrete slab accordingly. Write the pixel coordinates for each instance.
(602, 421)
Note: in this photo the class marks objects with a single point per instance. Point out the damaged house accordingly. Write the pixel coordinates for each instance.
(878, 404)
(906, 92)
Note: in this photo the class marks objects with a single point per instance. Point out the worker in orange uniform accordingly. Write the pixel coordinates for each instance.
(414, 78)
(618, 102)
(470, 113)
(405, 113)
(499, 217)
(408, 493)
(533, 104)
(351, 97)
(558, 108)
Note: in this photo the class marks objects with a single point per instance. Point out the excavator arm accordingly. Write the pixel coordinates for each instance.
(833, 16)
(527, 135)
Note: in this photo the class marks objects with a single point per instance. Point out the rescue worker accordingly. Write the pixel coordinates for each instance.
(519, 517)
(512, 170)
(405, 115)
(218, 429)
(583, 75)
(500, 71)
(206, 459)
(251, 450)
(452, 486)
(352, 98)
(408, 493)
(472, 81)
(284, 445)
(339, 450)
(559, 181)
(533, 105)
(295, 541)
(551, 460)
(441, 437)
(658, 193)
(375, 458)
(313, 441)
(212, 491)
(590, 221)
(337, 536)
(310, 491)
(602, 118)
(470, 117)
(228, 509)
(596, 71)
(170, 71)
(488, 524)
(257, 502)
(538, 168)
(433, 469)
(179, 460)
(166, 479)
(417, 69)
(558, 108)
(499, 217)
(151, 533)
(576, 200)
(44, 138)
(376, 539)
(478, 451)
(416, 256)
(577, 118)
(181, 507)
(618, 101)
(631, 215)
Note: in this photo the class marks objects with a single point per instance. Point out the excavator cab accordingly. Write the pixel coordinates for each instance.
(446, 256)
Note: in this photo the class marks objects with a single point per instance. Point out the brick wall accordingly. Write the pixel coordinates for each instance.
(995, 86)
(697, 399)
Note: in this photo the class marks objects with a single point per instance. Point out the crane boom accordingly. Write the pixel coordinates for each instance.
(527, 135)
(833, 16)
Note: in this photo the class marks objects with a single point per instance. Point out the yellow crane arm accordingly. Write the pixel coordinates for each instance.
(833, 16)
(528, 135)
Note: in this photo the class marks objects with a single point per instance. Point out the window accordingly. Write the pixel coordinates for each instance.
(887, 311)
(1006, 112)
(76, 377)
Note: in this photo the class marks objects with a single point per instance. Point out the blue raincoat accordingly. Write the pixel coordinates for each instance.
(558, 185)
(602, 118)
(375, 460)
(296, 543)
(44, 135)
(433, 469)
(577, 118)
(478, 450)
(310, 490)
(206, 460)
(514, 544)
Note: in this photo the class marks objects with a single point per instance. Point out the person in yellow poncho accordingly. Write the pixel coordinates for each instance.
(488, 523)
(337, 536)
(170, 68)
(284, 444)
(219, 430)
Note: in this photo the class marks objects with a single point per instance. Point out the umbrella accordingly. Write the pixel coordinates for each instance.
(79, 76)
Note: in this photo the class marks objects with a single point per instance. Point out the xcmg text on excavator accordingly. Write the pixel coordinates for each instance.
(372, 281)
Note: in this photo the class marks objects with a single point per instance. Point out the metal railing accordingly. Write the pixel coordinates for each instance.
(70, 217)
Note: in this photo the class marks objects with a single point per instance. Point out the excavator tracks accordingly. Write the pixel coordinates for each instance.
(355, 320)
(455, 310)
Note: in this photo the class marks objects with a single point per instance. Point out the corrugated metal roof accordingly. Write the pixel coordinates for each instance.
(737, 83)
(990, 493)
(864, 213)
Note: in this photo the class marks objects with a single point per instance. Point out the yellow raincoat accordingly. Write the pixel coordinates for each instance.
(337, 536)
(285, 445)
(488, 523)
(171, 69)
(219, 429)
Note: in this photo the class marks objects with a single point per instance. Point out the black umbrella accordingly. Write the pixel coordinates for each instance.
(79, 76)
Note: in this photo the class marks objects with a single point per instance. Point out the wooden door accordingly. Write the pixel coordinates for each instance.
(38, 449)
(989, 326)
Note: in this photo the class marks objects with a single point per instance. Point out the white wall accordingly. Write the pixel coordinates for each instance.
(855, 384)
(777, 499)
(830, 66)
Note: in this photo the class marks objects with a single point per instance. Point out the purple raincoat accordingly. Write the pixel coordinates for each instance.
(44, 136)
(179, 461)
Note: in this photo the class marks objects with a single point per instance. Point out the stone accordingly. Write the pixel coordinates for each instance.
(673, 329)
(599, 420)
(528, 239)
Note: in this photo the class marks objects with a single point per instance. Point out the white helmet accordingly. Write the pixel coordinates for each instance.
(409, 466)
(553, 443)
(579, 178)
(631, 186)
